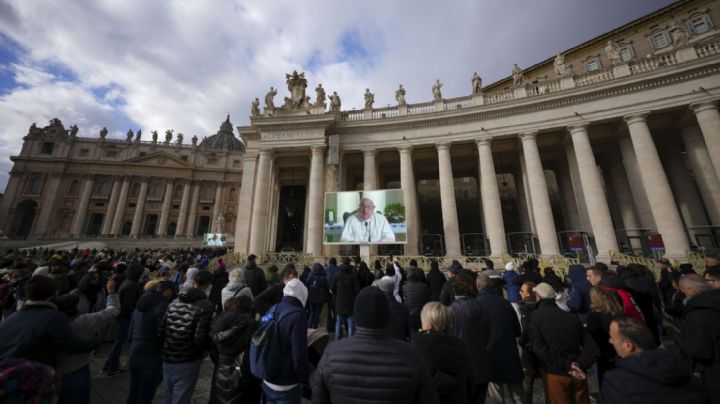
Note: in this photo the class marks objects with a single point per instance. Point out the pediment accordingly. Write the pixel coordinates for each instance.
(160, 159)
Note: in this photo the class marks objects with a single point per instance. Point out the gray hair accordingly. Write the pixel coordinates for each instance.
(483, 281)
(437, 316)
(236, 275)
(696, 282)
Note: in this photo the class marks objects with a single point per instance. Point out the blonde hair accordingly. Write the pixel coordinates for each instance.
(236, 275)
(437, 316)
(603, 301)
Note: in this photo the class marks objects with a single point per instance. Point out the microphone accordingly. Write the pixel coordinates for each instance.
(367, 228)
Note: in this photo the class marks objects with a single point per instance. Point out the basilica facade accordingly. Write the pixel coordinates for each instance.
(613, 145)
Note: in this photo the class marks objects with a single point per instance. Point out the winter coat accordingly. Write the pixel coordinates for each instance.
(85, 326)
(530, 275)
(513, 290)
(702, 338)
(559, 339)
(435, 281)
(527, 358)
(143, 334)
(502, 349)
(220, 279)
(293, 335)
(129, 292)
(598, 326)
(232, 381)
(416, 294)
(657, 376)
(372, 367)
(37, 332)
(330, 271)
(579, 301)
(419, 272)
(254, 277)
(318, 288)
(472, 325)
(365, 277)
(272, 275)
(345, 287)
(268, 298)
(234, 289)
(399, 325)
(450, 366)
(447, 295)
(185, 329)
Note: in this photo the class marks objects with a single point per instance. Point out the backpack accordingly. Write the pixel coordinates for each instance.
(316, 290)
(630, 308)
(266, 358)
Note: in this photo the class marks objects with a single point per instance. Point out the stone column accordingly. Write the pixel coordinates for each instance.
(447, 201)
(112, 205)
(8, 199)
(165, 210)
(316, 186)
(594, 194)
(623, 195)
(332, 185)
(492, 208)
(655, 183)
(686, 194)
(245, 204)
(642, 205)
(139, 207)
(192, 216)
(526, 199)
(570, 212)
(120, 209)
(702, 167)
(708, 118)
(76, 229)
(407, 183)
(48, 207)
(547, 236)
(259, 217)
(182, 217)
(217, 208)
(577, 188)
(369, 170)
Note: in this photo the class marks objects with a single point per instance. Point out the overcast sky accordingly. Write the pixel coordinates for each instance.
(183, 65)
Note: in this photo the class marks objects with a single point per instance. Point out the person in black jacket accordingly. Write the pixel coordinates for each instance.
(232, 381)
(399, 324)
(645, 374)
(445, 353)
(185, 334)
(273, 294)
(415, 294)
(318, 291)
(345, 287)
(472, 325)
(371, 366)
(253, 276)
(145, 360)
(528, 304)
(38, 331)
(219, 281)
(365, 277)
(565, 350)
(129, 293)
(435, 280)
(413, 267)
(603, 308)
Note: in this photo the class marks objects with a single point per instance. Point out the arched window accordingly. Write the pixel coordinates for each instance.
(177, 194)
(35, 186)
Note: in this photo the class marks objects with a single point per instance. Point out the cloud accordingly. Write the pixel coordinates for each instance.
(155, 64)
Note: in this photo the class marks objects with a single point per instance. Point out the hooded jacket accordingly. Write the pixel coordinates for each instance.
(185, 329)
(702, 338)
(254, 277)
(143, 334)
(449, 362)
(235, 289)
(657, 376)
(579, 301)
(129, 292)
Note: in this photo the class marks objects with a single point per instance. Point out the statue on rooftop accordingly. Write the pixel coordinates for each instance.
(103, 133)
(335, 102)
(561, 68)
(73, 131)
(129, 135)
(296, 84)
(437, 94)
(369, 99)
(517, 75)
(195, 139)
(168, 135)
(269, 105)
(179, 139)
(255, 107)
(154, 136)
(612, 50)
(679, 37)
(476, 83)
(138, 135)
(400, 95)
(319, 96)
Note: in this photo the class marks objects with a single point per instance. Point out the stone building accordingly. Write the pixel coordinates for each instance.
(613, 144)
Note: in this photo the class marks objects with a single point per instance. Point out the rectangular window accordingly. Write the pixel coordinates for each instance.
(84, 152)
(626, 53)
(205, 208)
(184, 158)
(592, 64)
(47, 148)
(660, 40)
(99, 205)
(212, 161)
(142, 154)
(700, 24)
(111, 153)
(236, 163)
(176, 206)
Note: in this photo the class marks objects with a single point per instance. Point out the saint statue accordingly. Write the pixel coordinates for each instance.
(561, 69)
(103, 133)
(220, 224)
(613, 53)
(179, 138)
(517, 75)
(168, 135)
(400, 95)
(319, 96)
(369, 99)
(296, 84)
(437, 94)
(154, 136)
(476, 83)
(335, 102)
(195, 138)
(255, 108)
(269, 99)
(73, 130)
(138, 135)
(679, 37)
(129, 135)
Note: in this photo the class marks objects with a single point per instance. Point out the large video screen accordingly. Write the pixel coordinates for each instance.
(215, 239)
(365, 217)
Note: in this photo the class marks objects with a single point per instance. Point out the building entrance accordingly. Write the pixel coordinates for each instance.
(291, 218)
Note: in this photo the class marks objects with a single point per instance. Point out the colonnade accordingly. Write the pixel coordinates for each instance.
(640, 187)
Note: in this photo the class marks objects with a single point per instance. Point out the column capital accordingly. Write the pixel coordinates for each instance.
(530, 135)
(369, 152)
(485, 141)
(317, 149)
(443, 145)
(703, 106)
(636, 118)
(266, 151)
(405, 149)
(581, 127)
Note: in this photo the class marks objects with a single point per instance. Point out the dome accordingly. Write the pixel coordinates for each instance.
(224, 138)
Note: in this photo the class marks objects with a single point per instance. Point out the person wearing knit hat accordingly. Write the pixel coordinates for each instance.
(371, 366)
(286, 385)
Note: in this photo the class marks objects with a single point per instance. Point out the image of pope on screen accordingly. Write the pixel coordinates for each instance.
(367, 226)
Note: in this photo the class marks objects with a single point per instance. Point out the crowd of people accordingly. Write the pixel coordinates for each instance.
(391, 335)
